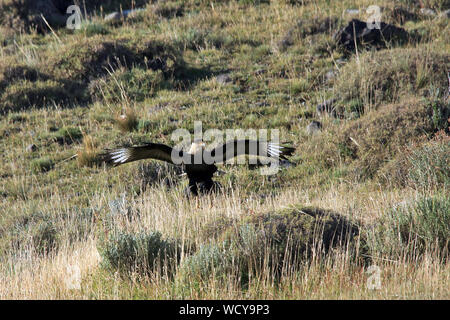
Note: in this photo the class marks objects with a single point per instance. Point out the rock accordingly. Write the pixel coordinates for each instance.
(345, 37)
(31, 148)
(47, 9)
(118, 16)
(330, 75)
(223, 78)
(402, 15)
(428, 12)
(445, 14)
(352, 11)
(286, 164)
(260, 104)
(326, 107)
(131, 12)
(313, 128)
(118, 206)
(260, 71)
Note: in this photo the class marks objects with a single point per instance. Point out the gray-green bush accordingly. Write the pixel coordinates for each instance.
(140, 253)
(430, 166)
(411, 229)
(278, 242)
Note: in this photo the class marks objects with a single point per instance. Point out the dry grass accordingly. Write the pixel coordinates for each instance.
(140, 79)
(28, 276)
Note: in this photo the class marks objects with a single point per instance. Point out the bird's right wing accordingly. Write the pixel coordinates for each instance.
(258, 148)
(128, 154)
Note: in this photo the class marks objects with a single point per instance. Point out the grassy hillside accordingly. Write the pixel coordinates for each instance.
(370, 188)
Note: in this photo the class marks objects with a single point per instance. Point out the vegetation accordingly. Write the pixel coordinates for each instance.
(369, 188)
(140, 253)
(412, 229)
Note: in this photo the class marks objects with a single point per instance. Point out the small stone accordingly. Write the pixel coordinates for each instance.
(428, 12)
(31, 148)
(358, 32)
(330, 75)
(131, 12)
(402, 15)
(260, 71)
(313, 128)
(118, 206)
(445, 14)
(223, 78)
(352, 11)
(286, 164)
(260, 104)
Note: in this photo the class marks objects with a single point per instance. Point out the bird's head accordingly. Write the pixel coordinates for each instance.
(197, 146)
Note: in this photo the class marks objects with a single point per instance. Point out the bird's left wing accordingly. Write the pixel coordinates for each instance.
(128, 154)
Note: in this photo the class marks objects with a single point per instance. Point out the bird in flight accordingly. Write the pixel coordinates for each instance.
(198, 163)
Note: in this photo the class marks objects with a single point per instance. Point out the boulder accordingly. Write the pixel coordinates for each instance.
(313, 128)
(223, 78)
(445, 14)
(47, 9)
(366, 37)
(428, 12)
(401, 15)
(118, 16)
(31, 148)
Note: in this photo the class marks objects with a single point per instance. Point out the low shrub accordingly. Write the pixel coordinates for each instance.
(67, 135)
(36, 233)
(268, 244)
(128, 85)
(44, 164)
(369, 143)
(24, 94)
(386, 76)
(88, 156)
(140, 253)
(429, 165)
(411, 229)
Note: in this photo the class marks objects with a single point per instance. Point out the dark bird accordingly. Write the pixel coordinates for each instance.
(198, 163)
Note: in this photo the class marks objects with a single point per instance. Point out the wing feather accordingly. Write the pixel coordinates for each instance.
(259, 148)
(129, 154)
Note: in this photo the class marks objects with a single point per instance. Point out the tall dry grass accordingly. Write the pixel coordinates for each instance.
(28, 275)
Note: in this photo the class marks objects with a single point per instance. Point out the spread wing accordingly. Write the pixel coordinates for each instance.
(259, 148)
(128, 154)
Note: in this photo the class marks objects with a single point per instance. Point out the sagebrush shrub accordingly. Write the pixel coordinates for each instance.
(411, 229)
(140, 253)
(268, 244)
(430, 166)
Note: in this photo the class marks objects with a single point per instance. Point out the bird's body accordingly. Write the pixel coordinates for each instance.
(199, 164)
(200, 177)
